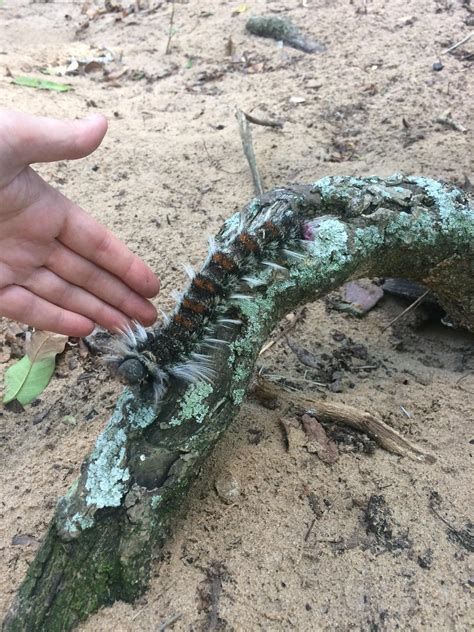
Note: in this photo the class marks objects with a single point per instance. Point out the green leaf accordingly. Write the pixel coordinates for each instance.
(28, 377)
(25, 380)
(41, 84)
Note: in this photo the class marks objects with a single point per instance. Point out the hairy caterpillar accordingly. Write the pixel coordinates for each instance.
(270, 233)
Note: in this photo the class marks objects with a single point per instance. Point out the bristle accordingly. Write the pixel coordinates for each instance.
(159, 391)
(140, 332)
(190, 271)
(215, 341)
(253, 281)
(192, 372)
(129, 336)
(294, 256)
(212, 245)
(165, 317)
(176, 296)
(240, 297)
(305, 244)
(201, 357)
(242, 221)
(120, 346)
(160, 385)
(275, 266)
(229, 321)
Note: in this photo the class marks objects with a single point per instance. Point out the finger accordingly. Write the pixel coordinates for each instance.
(94, 242)
(83, 273)
(40, 139)
(54, 289)
(20, 304)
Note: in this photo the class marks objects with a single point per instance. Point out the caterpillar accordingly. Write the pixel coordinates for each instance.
(270, 233)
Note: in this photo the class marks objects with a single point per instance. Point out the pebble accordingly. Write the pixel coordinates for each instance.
(227, 487)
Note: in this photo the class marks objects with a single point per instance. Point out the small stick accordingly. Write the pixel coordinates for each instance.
(384, 435)
(170, 32)
(309, 530)
(288, 327)
(257, 121)
(460, 43)
(409, 309)
(447, 119)
(167, 622)
(246, 136)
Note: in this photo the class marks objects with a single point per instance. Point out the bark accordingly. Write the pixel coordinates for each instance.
(114, 518)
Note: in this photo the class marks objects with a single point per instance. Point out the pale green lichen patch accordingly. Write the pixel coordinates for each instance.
(330, 239)
(231, 226)
(107, 473)
(78, 523)
(238, 396)
(412, 230)
(193, 405)
(140, 417)
(366, 239)
(155, 501)
(253, 311)
(453, 211)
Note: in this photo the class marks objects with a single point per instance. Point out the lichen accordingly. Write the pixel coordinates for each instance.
(155, 501)
(368, 238)
(107, 473)
(231, 226)
(193, 406)
(253, 311)
(454, 214)
(140, 417)
(329, 240)
(77, 523)
(238, 396)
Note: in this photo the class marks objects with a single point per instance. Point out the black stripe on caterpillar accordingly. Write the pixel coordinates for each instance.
(268, 233)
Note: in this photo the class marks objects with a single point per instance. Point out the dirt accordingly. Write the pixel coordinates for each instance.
(358, 544)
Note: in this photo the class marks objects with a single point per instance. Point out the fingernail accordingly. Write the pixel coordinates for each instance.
(93, 117)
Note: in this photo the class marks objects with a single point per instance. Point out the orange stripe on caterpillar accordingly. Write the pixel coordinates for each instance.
(271, 228)
(194, 306)
(205, 284)
(249, 243)
(225, 262)
(184, 321)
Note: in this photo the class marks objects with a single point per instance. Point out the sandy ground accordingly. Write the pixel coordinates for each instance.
(299, 548)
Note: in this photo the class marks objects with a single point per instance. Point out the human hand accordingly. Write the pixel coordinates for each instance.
(60, 270)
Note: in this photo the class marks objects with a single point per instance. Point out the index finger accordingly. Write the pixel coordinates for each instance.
(93, 241)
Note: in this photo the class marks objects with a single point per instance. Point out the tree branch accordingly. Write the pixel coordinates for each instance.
(105, 531)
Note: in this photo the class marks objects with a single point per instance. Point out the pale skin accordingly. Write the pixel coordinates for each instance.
(60, 269)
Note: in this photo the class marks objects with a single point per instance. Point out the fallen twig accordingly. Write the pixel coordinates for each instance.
(247, 144)
(291, 319)
(406, 311)
(168, 622)
(257, 121)
(457, 44)
(170, 32)
(384, 435)
(447, 119)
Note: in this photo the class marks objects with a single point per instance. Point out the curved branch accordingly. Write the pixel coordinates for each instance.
(101, 540)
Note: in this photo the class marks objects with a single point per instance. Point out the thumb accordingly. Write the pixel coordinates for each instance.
(40, 139)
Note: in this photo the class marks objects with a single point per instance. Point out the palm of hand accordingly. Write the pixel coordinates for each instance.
(59, 268)
(27, 233)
